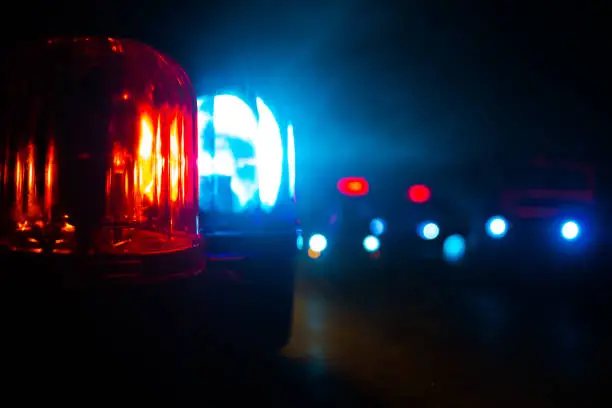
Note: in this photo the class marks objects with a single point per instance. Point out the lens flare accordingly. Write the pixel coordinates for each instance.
(377, 226)
(454, 248)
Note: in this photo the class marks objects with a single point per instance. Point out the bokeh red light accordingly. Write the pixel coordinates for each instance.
(353, 186)
(419, 193)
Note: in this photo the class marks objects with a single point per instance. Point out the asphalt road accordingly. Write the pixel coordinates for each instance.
(434, 338)
(427, 337)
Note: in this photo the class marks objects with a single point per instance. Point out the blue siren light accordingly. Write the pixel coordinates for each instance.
(269, 154)
(240, 157)
(291, 160)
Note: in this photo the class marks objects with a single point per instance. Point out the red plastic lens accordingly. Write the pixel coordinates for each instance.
(111, 168)
(419, 193)
(353, 186)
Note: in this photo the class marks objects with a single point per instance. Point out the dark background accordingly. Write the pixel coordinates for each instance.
(369, 83)
(375, 85)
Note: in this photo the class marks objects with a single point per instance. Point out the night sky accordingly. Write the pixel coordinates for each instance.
(375, 82)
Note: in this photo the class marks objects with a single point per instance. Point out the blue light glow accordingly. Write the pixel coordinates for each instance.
(291, 160)
(240, 158)
(570, 230)
(227, 167)
(428, 230)
(497, 227)
(317, 243)
(371, 243)
(453, 248)
(378, 226)
(269, 148)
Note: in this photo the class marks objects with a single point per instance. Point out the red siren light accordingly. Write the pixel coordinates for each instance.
(353, 186)
(98, 157)
(419, 193)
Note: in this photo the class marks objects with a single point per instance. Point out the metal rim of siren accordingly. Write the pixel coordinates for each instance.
(123, 104)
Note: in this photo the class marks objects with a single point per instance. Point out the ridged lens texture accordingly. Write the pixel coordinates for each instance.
(98, 150)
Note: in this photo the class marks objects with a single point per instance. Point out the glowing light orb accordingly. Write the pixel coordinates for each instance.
(570, 230)
(453, 248)
(317, 243)
(378, 226)
(419, 193)
(371, 243)
(313, 254)
(497, 227)
(429, 230)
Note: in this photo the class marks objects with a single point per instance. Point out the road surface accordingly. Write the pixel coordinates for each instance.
(412, 342)
(446, 343)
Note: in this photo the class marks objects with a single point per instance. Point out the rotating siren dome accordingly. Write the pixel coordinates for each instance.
(99, 152)
(246, 155)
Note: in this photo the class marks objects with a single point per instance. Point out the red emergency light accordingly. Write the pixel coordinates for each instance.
(108, 183)
(353, 186)
(419, 193)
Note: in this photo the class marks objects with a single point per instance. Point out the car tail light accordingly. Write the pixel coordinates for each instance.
(353, 186)
(419, 193)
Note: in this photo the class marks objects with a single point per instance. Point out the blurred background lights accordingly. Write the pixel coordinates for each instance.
(497, 227)
(371, 243)
(419, 193)
(570, 230)
(429, 230)
(317, 243)
(313, 254)
(377, 226)
(453, 248)
(300, 242)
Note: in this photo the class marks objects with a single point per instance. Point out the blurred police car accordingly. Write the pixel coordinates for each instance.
(542, 207)
(387, 219)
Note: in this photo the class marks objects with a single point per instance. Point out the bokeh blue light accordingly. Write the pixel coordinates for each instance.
(454, 248)
(570, 230)
(371, 243)
(497, 227)
(428, 230)
(317, 243)
(378, 226)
